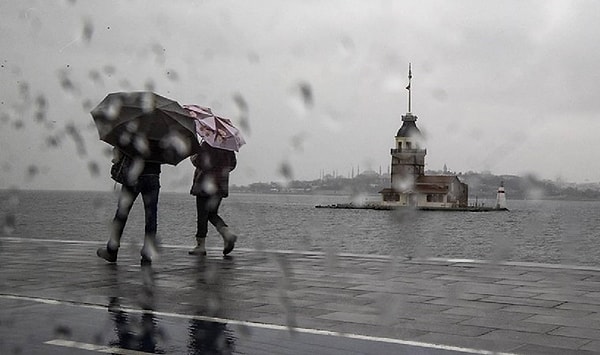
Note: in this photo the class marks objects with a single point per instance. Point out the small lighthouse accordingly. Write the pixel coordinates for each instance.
(501, 197)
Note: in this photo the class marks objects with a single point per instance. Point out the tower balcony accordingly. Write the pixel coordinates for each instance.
(408, 151)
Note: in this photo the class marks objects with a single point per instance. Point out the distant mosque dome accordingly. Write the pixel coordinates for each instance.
(369, 173)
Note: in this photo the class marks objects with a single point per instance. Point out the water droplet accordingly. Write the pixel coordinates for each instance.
(32, 171)
(306, 94)
(125, 84)
(209, 186)
(9, 223)
(24, 91)
(285, 170)
(172, 75)
(141, 145)
(298, 140)
(301, 98)
(347, 46)
(159, 53)
(39, 116)
(88, 30)
(440, 94)
(87, 105)
(149, 85)
(94, 168)
(73, 132)
(242, 105)
(66, 83)
(174, 145)
(148, 103)
(114, 108)
(63, 331)
(404, 184)
(95, 76)
(109, 70)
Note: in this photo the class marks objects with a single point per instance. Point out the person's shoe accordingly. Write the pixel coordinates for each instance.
(229, 244)
(200, 248)
(148, 253)
(229, 239)
(107, 254)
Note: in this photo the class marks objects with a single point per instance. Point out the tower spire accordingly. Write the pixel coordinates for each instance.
(408, 87)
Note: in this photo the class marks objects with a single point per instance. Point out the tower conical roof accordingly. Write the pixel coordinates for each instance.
(409, 127)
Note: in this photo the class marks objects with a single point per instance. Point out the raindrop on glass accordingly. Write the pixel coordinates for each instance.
(88, 31)
(172, 75)
(32, 171)
(285, 170)
(94, 168)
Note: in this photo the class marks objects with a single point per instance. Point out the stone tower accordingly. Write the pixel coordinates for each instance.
(408, 156)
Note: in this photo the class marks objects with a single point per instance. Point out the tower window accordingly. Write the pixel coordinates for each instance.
(408, 145)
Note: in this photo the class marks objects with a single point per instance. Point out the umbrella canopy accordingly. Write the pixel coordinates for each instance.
(146, 125)
(218, 132)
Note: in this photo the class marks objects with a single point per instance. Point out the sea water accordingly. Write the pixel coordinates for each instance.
(566, 232)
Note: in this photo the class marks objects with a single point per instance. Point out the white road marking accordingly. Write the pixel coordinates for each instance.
(92, 347)
(325, 254)
(268, 326)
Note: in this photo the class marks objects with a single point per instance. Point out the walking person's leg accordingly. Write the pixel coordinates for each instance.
(150, 189)
(126, 199)
(229, 238)
(201, 225)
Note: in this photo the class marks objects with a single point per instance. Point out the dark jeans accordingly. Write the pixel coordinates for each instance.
(149, 187)
(207, 208)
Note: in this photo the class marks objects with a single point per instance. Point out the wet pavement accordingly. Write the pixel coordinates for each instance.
(58, 297)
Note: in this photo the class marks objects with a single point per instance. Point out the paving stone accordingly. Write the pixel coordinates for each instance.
(593, 346)
(568, 298)
(579, 306)
(500, 314)
(462, 303)
(496, 323)
(521, 301)
(554, 311)
(585, 333)
(454, 329)
(553, 341)
(526, 308)
(361, 318)
(582, 322)
(535, 349)
(550, 290)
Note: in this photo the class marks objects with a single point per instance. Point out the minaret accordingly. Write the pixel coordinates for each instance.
(408, 157)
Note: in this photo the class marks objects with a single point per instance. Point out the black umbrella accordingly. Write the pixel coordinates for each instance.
(146, 125)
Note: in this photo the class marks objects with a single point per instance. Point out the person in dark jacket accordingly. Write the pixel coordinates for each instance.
(141, 177)
(210, 186)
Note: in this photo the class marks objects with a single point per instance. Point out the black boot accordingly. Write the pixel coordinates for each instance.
(229, 239)
(107, 254)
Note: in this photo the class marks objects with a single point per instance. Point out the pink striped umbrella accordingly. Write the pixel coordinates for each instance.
(215, 130)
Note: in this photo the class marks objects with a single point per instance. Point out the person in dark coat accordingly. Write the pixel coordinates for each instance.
(138, 177)
(210, 186)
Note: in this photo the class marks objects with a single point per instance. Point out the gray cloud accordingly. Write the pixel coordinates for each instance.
(499, 86)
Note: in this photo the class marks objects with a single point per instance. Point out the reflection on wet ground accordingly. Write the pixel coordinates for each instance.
(58, 297)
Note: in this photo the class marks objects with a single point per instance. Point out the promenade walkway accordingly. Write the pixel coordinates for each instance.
(58, 297)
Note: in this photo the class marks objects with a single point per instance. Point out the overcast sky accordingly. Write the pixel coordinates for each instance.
(510, 87)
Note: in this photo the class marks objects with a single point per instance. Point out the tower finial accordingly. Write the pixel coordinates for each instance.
(408, 87)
